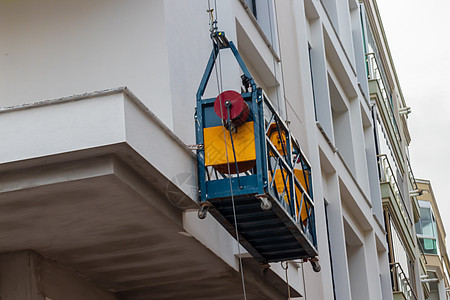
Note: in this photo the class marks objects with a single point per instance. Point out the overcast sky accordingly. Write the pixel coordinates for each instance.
(418, 34)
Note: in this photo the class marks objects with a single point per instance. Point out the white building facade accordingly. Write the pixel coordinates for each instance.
(98, 189)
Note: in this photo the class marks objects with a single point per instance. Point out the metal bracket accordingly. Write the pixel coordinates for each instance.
(220, 39)
(196, 147)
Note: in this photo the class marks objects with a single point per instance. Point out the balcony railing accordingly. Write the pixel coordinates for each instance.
(374, 72)
(422, 251)
(387, 175)
(414, 191)
(412, 178)
(400, 283)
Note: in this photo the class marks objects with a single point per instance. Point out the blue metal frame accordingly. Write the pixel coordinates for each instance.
(260, 180)
(255, 99)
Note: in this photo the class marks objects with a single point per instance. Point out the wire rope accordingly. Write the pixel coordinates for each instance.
(287, 278)
(303, 278)
(273, 58)
(281, 66)
(219, 80)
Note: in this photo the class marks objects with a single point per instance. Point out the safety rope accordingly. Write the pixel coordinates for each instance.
(287, 122)
(287, 278)
(219, 88)
(281, 66)
(303, 278)
(273, 58)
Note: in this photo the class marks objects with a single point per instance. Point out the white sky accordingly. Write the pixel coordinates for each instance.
(418, 34)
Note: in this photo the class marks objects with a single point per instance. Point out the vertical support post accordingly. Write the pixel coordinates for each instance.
(18, 277)
(27, 275)
(201, 174)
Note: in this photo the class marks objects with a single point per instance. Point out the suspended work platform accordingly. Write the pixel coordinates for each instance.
(268, 235)
(252, 174)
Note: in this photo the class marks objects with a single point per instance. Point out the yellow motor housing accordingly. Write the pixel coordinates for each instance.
(219, 150)
(275, 138)
(279, 182)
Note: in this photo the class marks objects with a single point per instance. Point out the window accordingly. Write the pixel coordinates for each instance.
(252, 5)
(264, 13)
(312, 79)
(329, 247)
(426, 228)
(429, 246)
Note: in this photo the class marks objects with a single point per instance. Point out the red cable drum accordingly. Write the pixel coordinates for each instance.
(231, 101)
(239, 110)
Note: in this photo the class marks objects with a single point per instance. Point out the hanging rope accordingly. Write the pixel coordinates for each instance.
(218, 71)
(303, 278)
(280, 60)
(287, 278)
(281, 65)
(273, 58)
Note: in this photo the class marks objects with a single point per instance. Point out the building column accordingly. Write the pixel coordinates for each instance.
(441, 290)
(25, 275)
(18, 277)
(372, 266)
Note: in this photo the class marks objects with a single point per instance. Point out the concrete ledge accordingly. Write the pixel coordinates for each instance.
(91, 121)
(98, 184)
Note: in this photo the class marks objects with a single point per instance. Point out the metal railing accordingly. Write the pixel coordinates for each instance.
(387, 175)
(422, 250)
(292, 190)
(411, 174)
(400, 283)
(374, 72)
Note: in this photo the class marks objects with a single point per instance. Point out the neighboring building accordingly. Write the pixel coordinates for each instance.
(98, 189)
(397, 183)
(432, 239)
